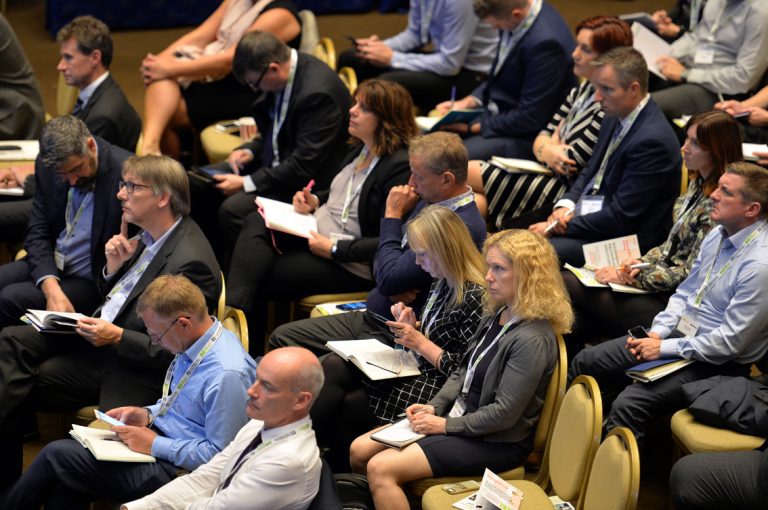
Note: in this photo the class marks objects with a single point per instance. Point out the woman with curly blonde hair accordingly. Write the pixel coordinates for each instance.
(485, 414)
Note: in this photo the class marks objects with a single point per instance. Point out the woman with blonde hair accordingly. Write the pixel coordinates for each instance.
(350, 403)
(484, 415)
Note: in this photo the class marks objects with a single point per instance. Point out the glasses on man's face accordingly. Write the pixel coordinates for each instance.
(130, 187)
(254, 86)
(156, 338)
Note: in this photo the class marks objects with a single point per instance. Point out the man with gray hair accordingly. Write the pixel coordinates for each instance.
(109, 358)
(633, 176)
(273, 462)
(73, 215)
(86, 49)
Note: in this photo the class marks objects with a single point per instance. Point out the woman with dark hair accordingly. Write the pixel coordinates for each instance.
(713, 141)
(267, 265)
(564, 146)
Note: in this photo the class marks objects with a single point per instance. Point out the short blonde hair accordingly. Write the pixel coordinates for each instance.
(540, 292)
(173, 296)
(440, 231)
(164, 175)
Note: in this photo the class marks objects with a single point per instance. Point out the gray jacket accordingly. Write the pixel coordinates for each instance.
(514, 386)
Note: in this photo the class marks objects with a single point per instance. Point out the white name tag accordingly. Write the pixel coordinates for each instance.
(688, 325)
(59, 258)
(591, 205)
(459, 408)
(705, 54)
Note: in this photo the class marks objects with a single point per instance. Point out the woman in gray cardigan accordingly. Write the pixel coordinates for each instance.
(485, 413)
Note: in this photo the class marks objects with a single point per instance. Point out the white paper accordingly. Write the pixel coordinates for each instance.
(611, 252)
(497, 492)
(28, 150)
(521, 165)
(399, 432)
(651, 46)
(750, 148)
(12, 192)
(585, 276)
(282, 216)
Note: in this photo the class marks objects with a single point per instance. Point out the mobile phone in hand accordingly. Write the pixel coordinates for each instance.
(107, 419)
(638, 332)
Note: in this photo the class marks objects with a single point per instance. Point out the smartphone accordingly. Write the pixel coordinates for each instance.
(638, 332)
(106, 418)
(227, 126)
(353, 40)
(347, 307)
(461, 487)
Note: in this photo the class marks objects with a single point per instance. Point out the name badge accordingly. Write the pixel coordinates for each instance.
(459, 408)
(338, 236)
(705, 54)
(59, 258)
(591, 205)
(687, 325)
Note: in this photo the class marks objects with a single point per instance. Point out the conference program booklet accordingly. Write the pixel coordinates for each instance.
(432, 124)
(283, 217)
(586, 276)
(523, 166)
(376, 360)
(397, 435)
(105, 445)
(52, 322)
(611, 252)
(653, 370)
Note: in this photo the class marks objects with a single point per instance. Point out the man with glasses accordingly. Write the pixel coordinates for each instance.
(110, 359)
(74, 213)
(199, 413)
(302, 115)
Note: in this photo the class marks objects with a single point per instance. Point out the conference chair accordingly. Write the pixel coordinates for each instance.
(349, 78)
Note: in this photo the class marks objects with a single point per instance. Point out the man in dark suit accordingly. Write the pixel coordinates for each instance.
(527, 81)
(74, 213)
(110, 359)
(302, 115)
(633, 177)
(85, 45)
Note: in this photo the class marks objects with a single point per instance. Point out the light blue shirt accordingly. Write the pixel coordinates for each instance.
(116, 299)
(458, 39)
(75, 246)
(211, 407)
(733, 315)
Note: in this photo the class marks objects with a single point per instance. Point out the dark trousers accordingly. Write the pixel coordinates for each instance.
(38, 372)
(684, 99)
(427, 89)
(18, 293)
(14, 215)
(710, 481)
(636, 404)
(67, 476)
(481, 147)
(569, 250)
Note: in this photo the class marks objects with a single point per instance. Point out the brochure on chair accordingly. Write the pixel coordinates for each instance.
(52, 322)
(397, 435)
(653, 370)
(376, 360)
(283, 217)
(105, 445)
(432, 124)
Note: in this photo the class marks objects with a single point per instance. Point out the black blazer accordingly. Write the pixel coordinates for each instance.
(313, 138)
(391, 170)
(109, 115)
(135, 367)
(49, 204)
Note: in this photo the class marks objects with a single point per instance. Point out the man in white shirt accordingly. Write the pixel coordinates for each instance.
(273, 463)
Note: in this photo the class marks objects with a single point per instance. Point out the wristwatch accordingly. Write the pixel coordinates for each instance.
(684, 75)
(334, 247)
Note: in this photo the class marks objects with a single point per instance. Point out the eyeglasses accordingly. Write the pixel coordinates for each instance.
(156, 339)
(130, 187)
(254, 86)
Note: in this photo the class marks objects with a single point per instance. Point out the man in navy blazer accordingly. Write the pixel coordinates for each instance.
(633, 177)
(527, 83)
(74, 213)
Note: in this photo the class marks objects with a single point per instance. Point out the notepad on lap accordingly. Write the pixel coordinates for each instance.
(523, 166)
(375, 359)
(283, 217)
(653, 370)
(104, 445)
(432, 124)
(398, 435)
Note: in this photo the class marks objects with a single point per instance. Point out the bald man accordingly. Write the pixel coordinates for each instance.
(273, 463)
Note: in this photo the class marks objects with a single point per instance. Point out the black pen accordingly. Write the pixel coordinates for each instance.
(379, 366)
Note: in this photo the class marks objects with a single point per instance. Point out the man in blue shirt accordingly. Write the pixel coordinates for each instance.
(73, 215)
(718, 316)
(200, 411)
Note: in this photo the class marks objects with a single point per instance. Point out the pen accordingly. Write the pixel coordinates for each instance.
(134, 238)
(379, 366)
(453, 96)
(310, 185)
(554, 223)
(720, 97)
(641, 265)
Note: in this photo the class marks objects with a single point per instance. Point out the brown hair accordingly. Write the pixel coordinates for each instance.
(607, 32)
(173, 296)
(755, 187)
(718, 133)
(442, 152)
(628, 64)
(90, 34)
(393, 107)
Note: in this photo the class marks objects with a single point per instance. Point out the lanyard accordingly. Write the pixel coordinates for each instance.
(627, 125)
(452, 204)
(509, 40)
(263, 446)
(709, 281)
(73, 219)
(719, 22)
(471, 367)
(428, 308)
(425, 19)
(132, 277)
(169, 398)
(350, 196)
(683, 213)
(281, 108)
(584, 101)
